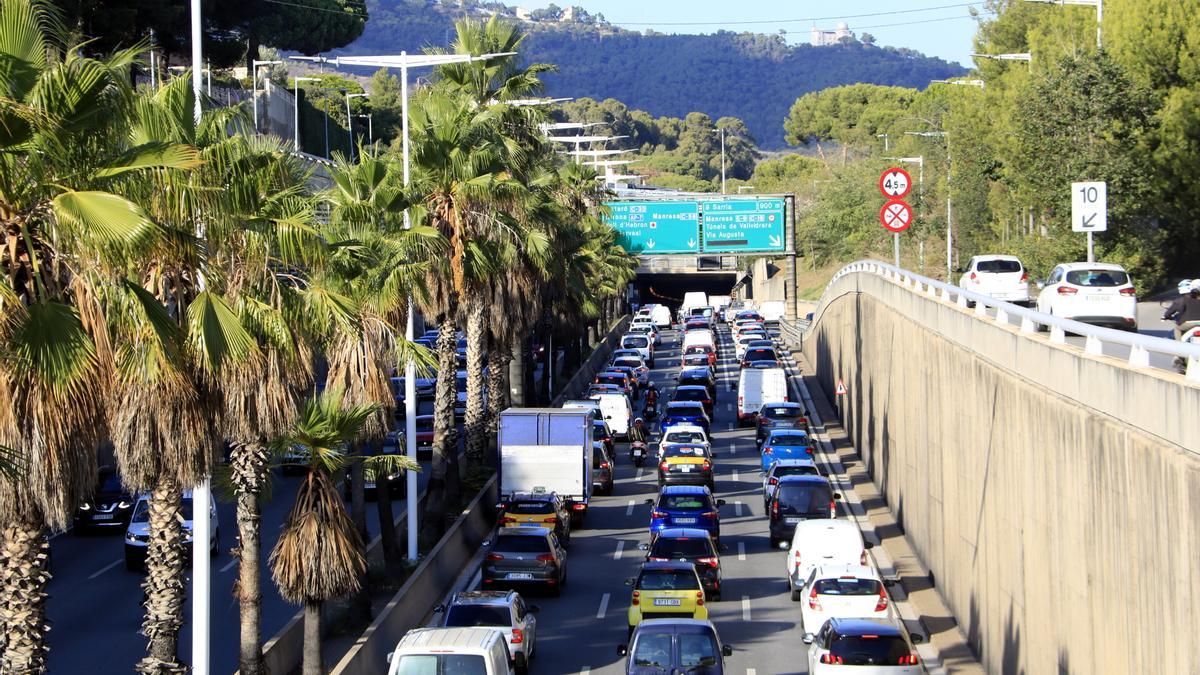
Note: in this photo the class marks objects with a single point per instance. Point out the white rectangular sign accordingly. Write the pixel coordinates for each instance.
(1089, 206)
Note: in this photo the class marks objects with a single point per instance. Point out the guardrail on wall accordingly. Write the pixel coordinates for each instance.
(1140, 346)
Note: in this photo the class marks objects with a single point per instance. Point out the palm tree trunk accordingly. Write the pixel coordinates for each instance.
(474, 422)
(163, 586)
(248, 464)
(23, 578)
(392, 555)
(516, 372)
(445, 442)
(360, 604)
(498, 357)
(312, 639)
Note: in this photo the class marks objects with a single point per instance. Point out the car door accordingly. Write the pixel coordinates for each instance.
(527, 621)
(1049, 292)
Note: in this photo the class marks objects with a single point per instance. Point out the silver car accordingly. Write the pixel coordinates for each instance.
(506, 611)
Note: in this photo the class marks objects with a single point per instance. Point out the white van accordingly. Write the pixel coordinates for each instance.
(661, 315)
(617, 412)
(822, 542)
(641, 342)
(699, 337)
(434, 651)
(773, 312)
(757, 386)
(691, 300)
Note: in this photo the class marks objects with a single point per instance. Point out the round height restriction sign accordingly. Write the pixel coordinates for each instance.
(896, 216)
(895, 183)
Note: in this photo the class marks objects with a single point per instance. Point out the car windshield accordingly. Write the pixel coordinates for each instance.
(636, 341)
(668, 580)
(111, 484)
(683, 502)
(697, 650)
(788, 439)
(802, 470)
(684, 437)
(681, 547)
(465, 616)
(441, 664)
(682, 451)
(141, 514)
(869, 650)
(998, 266)
(847, 586)
(1097, 278)
(653, 651)
(519, 544)
(808, 498)
(531, 506)
(782, 413)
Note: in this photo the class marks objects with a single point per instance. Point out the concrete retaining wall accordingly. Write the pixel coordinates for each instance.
(1054, 496)
(578, 384)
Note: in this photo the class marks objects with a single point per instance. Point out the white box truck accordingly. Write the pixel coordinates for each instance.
(757, 386)
(547, 450)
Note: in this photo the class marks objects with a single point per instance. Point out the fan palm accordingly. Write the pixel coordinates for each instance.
(319, 555)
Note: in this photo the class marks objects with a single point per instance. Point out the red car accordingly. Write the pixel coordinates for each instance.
(424, 435)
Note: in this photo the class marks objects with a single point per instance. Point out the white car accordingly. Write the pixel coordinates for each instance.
(826, 541)
(137, 535)
(739, 345)
(642, 343)
(686, 434)
(505, 611)
(1095, 293)
(850, 591)
(646, 328)
(1002, 277)
(786, 467)
(863, 647)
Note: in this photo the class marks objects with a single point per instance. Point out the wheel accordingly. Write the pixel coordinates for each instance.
(774, 542)
(797, 596)
(715, 596)
(555, 591)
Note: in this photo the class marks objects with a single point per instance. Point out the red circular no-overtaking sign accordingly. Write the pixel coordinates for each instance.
(896, 216)
(895, 183)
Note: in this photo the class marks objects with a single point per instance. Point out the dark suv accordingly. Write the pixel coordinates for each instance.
(691, 545)
(780, 415)
(696, 393)
(865, 642)
(798, 498)
(698, 377)
(108, 508)
(525, 556)
(675, 646)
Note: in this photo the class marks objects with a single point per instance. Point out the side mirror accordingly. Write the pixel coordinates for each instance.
(868, 545)
(1041, 284)
(622, 650)
(808, 639)
(889, 583)
(917, 638)
(837, 495)
(643, 547)
(629, 581)
(439, 608)
(649, 501)
(726, 650)
(533, 609)
(389, 657)
(720, 502)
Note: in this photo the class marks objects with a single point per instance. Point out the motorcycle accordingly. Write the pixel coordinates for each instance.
(1192, 336)
(650, 412)
(638, 452)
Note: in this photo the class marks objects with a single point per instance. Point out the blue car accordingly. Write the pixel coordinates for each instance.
(785, 444)
(685, 412)
(686, 506)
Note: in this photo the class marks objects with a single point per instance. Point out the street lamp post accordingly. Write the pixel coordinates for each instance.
(1020, 56)
(722, 158)
(949, 198)
(254, 84)
(370, 128)
(296, 85)
(350, 120)
(405, 61)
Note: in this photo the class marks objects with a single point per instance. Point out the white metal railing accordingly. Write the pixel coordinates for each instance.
(1095, 337)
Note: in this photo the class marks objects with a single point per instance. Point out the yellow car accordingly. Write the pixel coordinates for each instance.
(537, 509)
(666, 590)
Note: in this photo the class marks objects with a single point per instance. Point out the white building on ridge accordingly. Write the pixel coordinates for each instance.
(822, 38)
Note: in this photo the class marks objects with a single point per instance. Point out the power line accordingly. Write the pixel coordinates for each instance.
(344, 12)
(803, 20)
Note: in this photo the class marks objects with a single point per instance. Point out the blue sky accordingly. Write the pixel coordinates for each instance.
(945, 31)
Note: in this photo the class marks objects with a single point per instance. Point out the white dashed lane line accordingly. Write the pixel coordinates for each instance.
(629, 509)
(741, 550)
(106, 568)
(745, 608)
(229, 565)
(620, 548)
(737, 507)
(603, 606)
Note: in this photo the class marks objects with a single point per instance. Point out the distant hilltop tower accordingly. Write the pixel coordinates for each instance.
(822, 38)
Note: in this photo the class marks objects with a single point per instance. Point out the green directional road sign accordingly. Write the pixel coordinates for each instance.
(649, 227)
(743, 225)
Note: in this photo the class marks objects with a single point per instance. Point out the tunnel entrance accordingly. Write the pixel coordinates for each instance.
(668, 289)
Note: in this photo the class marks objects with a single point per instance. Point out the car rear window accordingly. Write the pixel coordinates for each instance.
(611, 379)
(998, 266)
(441, 664)
(465, 616)
(691, 395)
(682, 451)
(598, 458)
(681, 547)
(636, 341)
(697, 650)
(521, 544)
(1097, 278)
(788, 439)
(759, 355)
(628, 363)
(847, 586)
(869, 650)
(683, 437)
(804, 498)
(802, 470)
(683, 502)
(653, 651)
(668, 580)
(782, 413)
(533, 506)
(685, 408)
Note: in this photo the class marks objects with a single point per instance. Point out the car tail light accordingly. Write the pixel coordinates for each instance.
(910, 660)
(973, 276)
(762, 421)
(768, 449)
(1129, 292)
(699, 598)
(775, 511)
(830, 658)
(813, 602)
(506, 520)
(832, 509)
(658, 514)
(545, 557)
(636, 596)
(1024, 277)
(710, 515)
(664, 466)
(604, 465)
(1067, 290)
(495, 556)
(808, 449)
(772, 481)
(706, 466)
(518, 636)
(711, 562)
(883, 600)
(551, 519)
(862, 559)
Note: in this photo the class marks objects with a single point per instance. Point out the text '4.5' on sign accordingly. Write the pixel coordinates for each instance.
(895, 183)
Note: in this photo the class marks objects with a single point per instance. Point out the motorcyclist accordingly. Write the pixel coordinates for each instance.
(637, 434)
(651, 395)
(1185, 310)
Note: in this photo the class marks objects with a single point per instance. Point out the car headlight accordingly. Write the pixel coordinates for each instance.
(129, 536)
(85, 507)
(123, 504)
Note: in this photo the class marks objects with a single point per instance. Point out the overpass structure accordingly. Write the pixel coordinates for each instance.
(1053, 492)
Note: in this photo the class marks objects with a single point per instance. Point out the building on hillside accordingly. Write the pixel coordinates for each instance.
(822, 38)
(523, 14)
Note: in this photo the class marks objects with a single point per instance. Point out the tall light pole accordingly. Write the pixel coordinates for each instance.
(370, 128)
(949, 198)
(1098, 4)
(296, 94)
(405, 61)
(350, 120)
(254, 85)
(722, 158)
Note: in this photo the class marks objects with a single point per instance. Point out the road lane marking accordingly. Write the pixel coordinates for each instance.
(735, 475)
(106, 568)
(639, 474)
(620, 547)
(745, 608)
(733, 449)
(629, 509)
(586, 670)
(751, 671)
(603, 606)
(737, 506)
(230, 565)
(741, 550)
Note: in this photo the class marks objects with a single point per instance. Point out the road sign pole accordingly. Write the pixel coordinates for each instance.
(1091, 249)
(896, 246)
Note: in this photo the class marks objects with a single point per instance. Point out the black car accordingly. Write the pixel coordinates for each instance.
(108, 509)
(698, 377)
(675, 646)
(602, 469)
(691, 545)
(525, 556)
(783, 415)
(798, 498)
(601, 432)
(765, 354)
(697, 393)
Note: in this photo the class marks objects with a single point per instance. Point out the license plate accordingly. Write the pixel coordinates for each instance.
(792, 521)
(667, 602)
(684, 521)
(687, 468)
(519, 575)
(1099, 298)
(102, 516)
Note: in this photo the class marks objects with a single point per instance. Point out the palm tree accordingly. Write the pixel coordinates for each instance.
(319, 555)
(66, 235)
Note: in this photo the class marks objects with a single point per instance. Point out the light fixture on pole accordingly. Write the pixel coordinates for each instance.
(949, 198)
(744, 187)
(962, 83)
(1098, 4)
(404, 61)
(255, 64)
(350, 120)
(296, 94)
(370, 128)
(547, 127)
(886, 141)
(1019, 56)
(526, 102)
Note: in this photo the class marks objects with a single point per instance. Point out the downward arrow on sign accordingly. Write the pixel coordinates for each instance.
(649, 243)
(775, 241)
(691, 243)
(1089, 220)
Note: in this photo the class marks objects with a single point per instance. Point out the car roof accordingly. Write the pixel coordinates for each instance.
(501, 598)
(691, 387)
(787, 432)
(684, 427)
(793, 462)
(685, 490)
(696, 372)
(523, 531)
(668, 565)
(830, 526)
(675, 626)
(847, 570)
(680, 532)
(684, 404)
(845, 626)
(1092, 266)
(996, 256)
(804, 479)
(533, 497)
